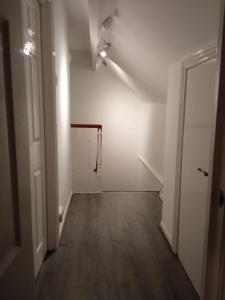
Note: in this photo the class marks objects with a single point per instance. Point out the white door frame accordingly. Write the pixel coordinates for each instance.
(188, 63)
(215, 269)
(50, 126)
(17, 279)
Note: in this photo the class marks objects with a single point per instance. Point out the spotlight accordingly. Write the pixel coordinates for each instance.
(103, 54)
(106, 45)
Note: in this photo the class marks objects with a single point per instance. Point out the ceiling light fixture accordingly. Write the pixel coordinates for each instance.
(106, 45)
(107, 23)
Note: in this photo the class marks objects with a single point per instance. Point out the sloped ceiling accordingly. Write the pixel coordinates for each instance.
(78, 16)
(148, 35)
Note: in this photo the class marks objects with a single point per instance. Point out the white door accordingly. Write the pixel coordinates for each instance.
(32, 53)
(16, 255)
(197, 150)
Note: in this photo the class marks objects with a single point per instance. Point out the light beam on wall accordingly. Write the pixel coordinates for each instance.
(128, 80)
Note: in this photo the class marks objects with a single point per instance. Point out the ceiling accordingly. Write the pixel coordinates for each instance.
(148, 35)
(79, 36)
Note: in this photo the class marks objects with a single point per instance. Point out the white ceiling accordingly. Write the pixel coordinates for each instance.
(148, 35)
(78, 24)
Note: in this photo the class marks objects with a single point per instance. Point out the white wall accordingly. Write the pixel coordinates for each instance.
(100, 97)
(153, 117)
(171, 140)
(62, 60)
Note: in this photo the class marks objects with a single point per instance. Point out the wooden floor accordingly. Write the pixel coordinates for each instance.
(112, 248)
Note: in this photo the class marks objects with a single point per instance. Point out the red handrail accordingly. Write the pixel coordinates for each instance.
(98, 126)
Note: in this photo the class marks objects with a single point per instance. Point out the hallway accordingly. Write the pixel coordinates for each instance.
(112, 248)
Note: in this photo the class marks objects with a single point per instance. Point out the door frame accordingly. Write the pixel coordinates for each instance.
(25, 283)
(50, 121)
(189, 62)
(216, 246)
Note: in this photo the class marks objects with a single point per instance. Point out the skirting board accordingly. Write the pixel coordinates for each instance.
(167, 234)
(151, 170)
(64, 215)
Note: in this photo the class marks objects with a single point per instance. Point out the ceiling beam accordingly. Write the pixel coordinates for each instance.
(93, 9)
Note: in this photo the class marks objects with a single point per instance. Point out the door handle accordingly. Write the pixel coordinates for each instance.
(206, 174)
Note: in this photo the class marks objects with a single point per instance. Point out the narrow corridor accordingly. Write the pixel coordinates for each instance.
(112, 248)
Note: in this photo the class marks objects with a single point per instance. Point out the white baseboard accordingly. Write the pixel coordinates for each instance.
(151, 170)
(65, 210)
(166, 233)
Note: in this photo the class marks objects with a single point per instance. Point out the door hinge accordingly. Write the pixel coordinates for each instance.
(221, 199)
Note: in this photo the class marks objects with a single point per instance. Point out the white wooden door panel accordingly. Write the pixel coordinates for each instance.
(35, 98)
(36, 129)
(197, 150)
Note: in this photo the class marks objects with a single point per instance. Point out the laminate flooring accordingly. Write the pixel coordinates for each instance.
(112, 248)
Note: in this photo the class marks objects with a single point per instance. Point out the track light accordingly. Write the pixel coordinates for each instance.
(104, 62)
(103, 54)
(107, 23)
(106, 45)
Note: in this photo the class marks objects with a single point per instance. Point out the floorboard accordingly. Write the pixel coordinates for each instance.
(112, 249)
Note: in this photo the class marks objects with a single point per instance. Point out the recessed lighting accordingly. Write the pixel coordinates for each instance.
(103, 54)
